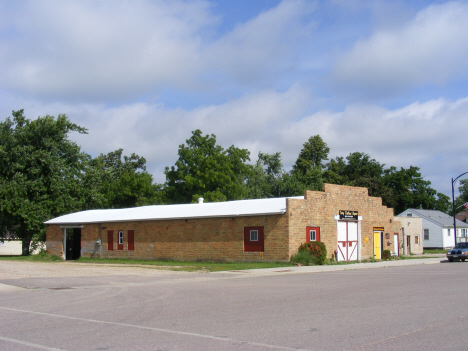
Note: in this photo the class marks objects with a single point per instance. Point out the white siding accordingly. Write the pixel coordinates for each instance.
(435, 234)
(448, 241)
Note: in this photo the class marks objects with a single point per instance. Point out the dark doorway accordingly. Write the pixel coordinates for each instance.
(382, 244)
(73, 243)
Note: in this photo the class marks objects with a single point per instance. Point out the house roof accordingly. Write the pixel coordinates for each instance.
(439, 217)
(462, 216)
(254, 207)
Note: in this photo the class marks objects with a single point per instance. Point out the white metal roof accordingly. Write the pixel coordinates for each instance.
(160, 212)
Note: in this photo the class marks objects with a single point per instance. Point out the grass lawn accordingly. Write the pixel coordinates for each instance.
(169, 265)
(434, 251)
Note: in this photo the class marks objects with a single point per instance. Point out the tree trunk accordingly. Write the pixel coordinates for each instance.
(26, 242)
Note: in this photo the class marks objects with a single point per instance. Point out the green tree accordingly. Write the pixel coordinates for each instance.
(118, 182)
(207, 170)
(356, 166)
(309, 165)
(412, 191)
(462, 198)
(265, 177)
(40, 174)
(313, 153)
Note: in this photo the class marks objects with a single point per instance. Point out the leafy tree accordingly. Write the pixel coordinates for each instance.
(412, 191)
(265, 177)
(399, 189)
(206, 170)
(116, 182)
(462, 198)
(40, 173)
(308, 169)
(313, 153)
(356, 166)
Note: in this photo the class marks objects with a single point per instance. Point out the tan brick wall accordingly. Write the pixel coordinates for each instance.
(192, 239)
(319, 209)
(54, 240)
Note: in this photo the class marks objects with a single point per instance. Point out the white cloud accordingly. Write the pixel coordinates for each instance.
(91, 50)
(255, 51)
(107, 51)
(430, 49)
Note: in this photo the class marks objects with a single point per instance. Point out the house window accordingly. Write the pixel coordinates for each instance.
(416, 239)
(253, 239)
(448, 230)
(426, 234)
(254, 235)
(409, 215)
(312, 235)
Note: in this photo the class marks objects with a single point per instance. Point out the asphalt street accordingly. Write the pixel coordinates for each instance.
(393, 307)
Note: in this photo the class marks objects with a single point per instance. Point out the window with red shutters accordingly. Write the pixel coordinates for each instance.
(131, 239)
(110, 240)
(253, 239)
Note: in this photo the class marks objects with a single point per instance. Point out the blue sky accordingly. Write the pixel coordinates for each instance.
(388, 78)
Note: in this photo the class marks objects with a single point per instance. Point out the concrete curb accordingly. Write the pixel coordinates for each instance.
(346, 267)
(10, 288)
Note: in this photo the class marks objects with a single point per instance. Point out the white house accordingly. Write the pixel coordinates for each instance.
(437, 228)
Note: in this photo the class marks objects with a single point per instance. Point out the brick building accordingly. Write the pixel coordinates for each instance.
(345, 218)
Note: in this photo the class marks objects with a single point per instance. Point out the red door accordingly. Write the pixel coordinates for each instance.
(312, 234)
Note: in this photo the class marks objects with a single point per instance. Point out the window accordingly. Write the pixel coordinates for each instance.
(448, 231)
(254, 235)
(409, 215)
(426, 234)
(312, 235)
(416, 239)
(120, 240)
(253, 239)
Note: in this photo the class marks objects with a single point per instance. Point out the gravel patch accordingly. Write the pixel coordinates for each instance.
(20, 270)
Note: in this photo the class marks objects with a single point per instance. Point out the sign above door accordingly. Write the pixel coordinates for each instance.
(347, 214)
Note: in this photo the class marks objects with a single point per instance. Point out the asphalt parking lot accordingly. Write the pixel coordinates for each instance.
(76, 307)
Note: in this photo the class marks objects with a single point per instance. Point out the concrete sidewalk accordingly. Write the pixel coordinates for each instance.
(339, 267)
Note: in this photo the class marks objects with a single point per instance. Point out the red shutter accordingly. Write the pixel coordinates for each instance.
(253, 246)
(131, 238)
(110, 240)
